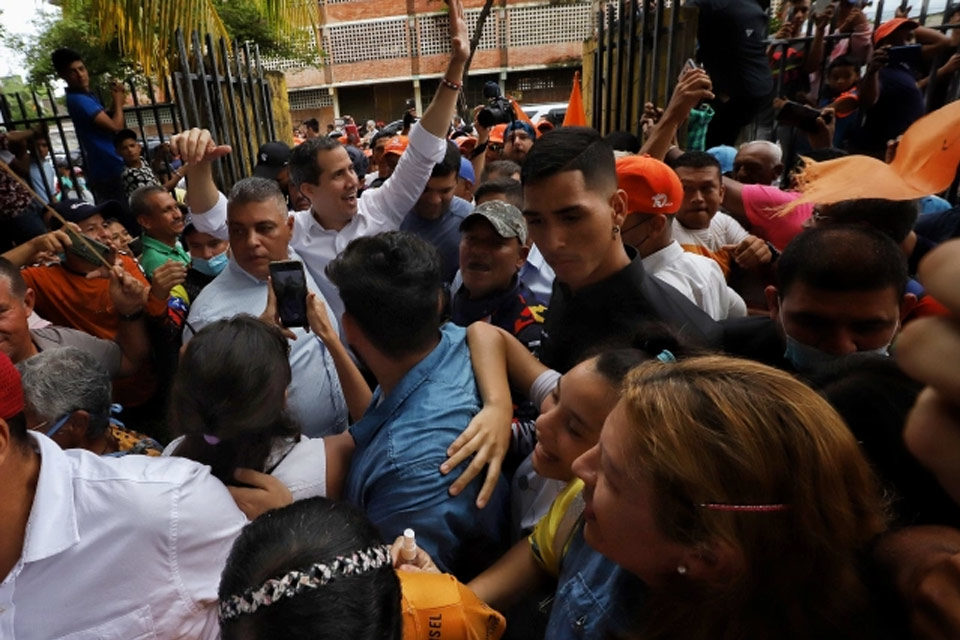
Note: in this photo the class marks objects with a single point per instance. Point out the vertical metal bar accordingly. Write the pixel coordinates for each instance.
(23, 111)
(241, 171)
(608, 99)
(228, 162)
(785, 46)
(139, 114)
(621, 60)
(178, 96)
(211, 119)
(151, 94)
(5, 108)
(597, 75)
(655, 62)
(924, 7)
(66, 147)
(877, 19)
(641, 54)
(251, 154)
(171, 104)
(257, 118)
(271, 130)
(672, 72)
(49, 188)
(187, 77)
(631, 63)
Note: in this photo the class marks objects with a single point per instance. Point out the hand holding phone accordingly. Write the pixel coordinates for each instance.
(290, 287)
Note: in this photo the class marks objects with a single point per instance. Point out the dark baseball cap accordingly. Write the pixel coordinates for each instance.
(77, 211)
(271, 158)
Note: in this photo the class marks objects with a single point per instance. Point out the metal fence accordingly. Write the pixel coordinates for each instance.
(211, 87)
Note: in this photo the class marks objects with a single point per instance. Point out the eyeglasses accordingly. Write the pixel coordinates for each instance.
(56, 425)
(493, 146)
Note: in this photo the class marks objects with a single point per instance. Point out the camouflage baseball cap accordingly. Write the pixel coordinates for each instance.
(505, 218)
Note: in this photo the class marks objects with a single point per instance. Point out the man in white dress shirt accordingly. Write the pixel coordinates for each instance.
(323, 172)
(94, 547)
(654, 194)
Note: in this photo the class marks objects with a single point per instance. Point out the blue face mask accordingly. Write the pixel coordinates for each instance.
(806, 358)
(211, 267)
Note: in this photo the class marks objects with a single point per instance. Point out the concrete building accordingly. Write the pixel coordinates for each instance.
(380, 53)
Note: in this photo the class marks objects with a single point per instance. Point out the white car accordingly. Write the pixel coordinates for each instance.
(552, 111)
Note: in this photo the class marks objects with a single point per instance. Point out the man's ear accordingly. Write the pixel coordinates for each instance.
(29, 300)
(660, 222)
(773, 301)
(522, 255)
(6, 442)
(145, 221)
(618, 202)
(290, 222)
(907, 303)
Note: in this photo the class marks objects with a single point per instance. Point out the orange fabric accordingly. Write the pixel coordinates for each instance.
(69, 299)
(397, 145)
(518, 112)
(437, 606)
(496, 133)
(576, 116)
(651, 186)
(890, 26)
(926, 162)
(721, 257)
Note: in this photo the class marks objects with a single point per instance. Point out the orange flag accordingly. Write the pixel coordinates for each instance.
(576, 116)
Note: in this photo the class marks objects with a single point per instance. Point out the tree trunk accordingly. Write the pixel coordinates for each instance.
(474, 42)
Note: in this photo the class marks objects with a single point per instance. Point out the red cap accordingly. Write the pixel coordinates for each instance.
(890, 26)
(651, 186)
(11, 392)
(466, 144)
(396, 146)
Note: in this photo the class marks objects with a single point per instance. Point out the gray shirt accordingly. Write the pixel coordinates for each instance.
(107, 352)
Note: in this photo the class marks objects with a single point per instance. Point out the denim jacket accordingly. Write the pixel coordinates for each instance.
(595, 598)
(402, 440)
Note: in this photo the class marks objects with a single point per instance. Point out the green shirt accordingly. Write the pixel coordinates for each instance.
(156, 253)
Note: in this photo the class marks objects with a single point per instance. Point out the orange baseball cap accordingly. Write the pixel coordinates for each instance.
(651, 186)
(890, 26)
(466, 144)
(543, 126)
(396, 146)
(496, 134)
(925, 163)
(436, 605)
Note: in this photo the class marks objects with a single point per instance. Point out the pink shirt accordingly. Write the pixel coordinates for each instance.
(762, 205)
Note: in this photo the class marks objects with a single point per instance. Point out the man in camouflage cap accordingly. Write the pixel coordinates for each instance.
(493, 248)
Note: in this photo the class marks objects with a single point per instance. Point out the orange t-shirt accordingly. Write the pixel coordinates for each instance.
(69, 299)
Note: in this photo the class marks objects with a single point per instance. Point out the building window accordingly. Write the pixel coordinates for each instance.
(367, 40)
(309, 99)
(548, 24)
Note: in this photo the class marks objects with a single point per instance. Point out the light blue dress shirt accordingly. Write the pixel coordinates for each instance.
(315, 397)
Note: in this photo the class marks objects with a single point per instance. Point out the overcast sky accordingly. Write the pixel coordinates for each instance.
(21, 17)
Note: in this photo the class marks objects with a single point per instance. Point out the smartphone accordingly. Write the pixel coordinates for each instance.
(907, 54)
(99, 253)
(801, 116)
(691, 64)
(290, 287)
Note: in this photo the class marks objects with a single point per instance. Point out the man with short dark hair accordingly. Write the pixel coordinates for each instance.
(322, 170)
(391, 289)
(601, 294)
(506, 189)
(311, 128)
(500, 169)
(437, 214)
(95, 127)
(161, 219)
(260, 228)
(840, 290)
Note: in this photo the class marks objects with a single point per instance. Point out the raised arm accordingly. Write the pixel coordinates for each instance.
(116, 122)
(199, 150)
(436, 119)
(694, 87)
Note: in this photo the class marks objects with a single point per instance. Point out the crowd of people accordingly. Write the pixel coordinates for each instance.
(528, 380)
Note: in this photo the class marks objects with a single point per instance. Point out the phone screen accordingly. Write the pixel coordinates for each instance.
(290, 287)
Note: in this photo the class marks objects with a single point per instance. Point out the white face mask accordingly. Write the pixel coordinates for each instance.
(806, 358)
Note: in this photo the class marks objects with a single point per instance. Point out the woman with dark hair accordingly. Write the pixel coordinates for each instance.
(229, 402)
(318, 570)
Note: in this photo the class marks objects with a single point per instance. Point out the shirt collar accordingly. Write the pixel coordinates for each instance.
(52, 526)
(161, 247)
(663, 258)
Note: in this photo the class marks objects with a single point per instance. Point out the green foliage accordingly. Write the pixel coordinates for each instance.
(245, 22)
(74, 31)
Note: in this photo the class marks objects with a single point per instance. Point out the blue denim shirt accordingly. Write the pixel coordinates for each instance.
(401, 441)
(595, 598)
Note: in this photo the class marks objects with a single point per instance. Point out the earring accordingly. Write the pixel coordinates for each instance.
(682, 570)
(616, 229)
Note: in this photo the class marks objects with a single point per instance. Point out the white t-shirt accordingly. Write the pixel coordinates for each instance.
(723, 230)
(300, 466)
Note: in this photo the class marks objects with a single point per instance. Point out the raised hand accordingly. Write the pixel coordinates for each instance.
(197, 146)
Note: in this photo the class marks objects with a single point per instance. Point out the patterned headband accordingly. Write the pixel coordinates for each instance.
(297, 581)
